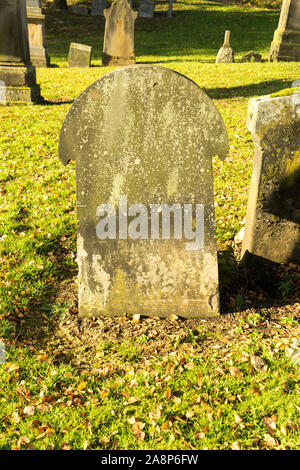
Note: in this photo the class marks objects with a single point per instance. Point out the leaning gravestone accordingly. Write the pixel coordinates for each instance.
(143, 138)
(36, 31)
(225, 53)
(17, 74)
(286, 40)
(272, 229)
(118, 47)
(146, 9)
(79, 55)
(98, 7)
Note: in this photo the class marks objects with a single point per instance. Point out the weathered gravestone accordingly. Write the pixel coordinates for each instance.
(146, 9)
(272, 229)
(17, 74)
(98, 7)
(251, 57)
(286, 40)
(118, 47)
(143, 138)
(36, 31)
(79, 55)
(225, 53)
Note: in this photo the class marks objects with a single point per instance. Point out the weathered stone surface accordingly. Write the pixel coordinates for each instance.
(296, 83)
(225, 53)
(17, 75)
(286, 40)
(272, 228)
(118, 47)
(148, 134)
(36, 32)
(98, 7)
(251, 57)
(80, 10)
(146, 9)
(79, 55)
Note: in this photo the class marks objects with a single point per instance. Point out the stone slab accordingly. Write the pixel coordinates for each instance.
(79, 55)
(148, 134)
(146, 9)
(286, 41)
(98, 7)
(272, 229)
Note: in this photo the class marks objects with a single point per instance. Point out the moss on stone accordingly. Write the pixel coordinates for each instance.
(285, 92)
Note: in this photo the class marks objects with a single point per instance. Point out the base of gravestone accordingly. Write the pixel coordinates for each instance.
(36, 32)
(225, 55)
(109, 60)
(285, 46)
(18, 85)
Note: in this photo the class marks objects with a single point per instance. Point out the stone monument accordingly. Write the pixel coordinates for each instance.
(79, 55)
(98, 7)
(146, 9)
(36, 31)
(286, 40)
(225, 53)
(143, 138)
(118, 47)
(17, 74)
(272, 229)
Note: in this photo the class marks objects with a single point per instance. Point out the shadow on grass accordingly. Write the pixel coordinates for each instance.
(245, 91)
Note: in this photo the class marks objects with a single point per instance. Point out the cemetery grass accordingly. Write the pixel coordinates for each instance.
(138, 383)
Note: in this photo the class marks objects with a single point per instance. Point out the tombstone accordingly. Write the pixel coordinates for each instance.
(272, 229)
(225, 53)
(80, 10)
(97, 7)
(146, 9)
(286, 40)
(143, 138)
(17, 74)
(118, 47)
(36, 32)
(170, 9)
(79, 55)
(251, 57)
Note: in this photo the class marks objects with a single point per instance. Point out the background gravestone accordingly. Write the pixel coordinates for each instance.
(79, 55)
(286, 41)
(17, 74)
(98, 7)
(36, 32)
(225, 53)
(118, 47)
(146, 9)
(147, 133)
(272, 229)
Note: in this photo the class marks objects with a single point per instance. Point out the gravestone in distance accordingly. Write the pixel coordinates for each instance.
(146, 9)
(36, 32)
(272, 229)
(170, 9)
(225, 53)
(17, 74)
(145, 135)
(79, 55)
(118, 47)
(98, 7)
(251, 57)
(286, 40)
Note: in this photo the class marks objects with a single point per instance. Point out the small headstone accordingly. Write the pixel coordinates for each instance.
(146, 9)
(79, 55)
(286, 41)
(118, 47)
(17, 74)
(36, 32)
(143, 138)
(80, 10)
(251, 57)
(296, 83)
(272, 229)
(225, 53)
(98, 7)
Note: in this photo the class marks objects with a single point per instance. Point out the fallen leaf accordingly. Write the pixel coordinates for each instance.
(81, 386)
(235, 446)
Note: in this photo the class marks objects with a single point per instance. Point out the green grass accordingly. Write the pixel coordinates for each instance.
(38, 250)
